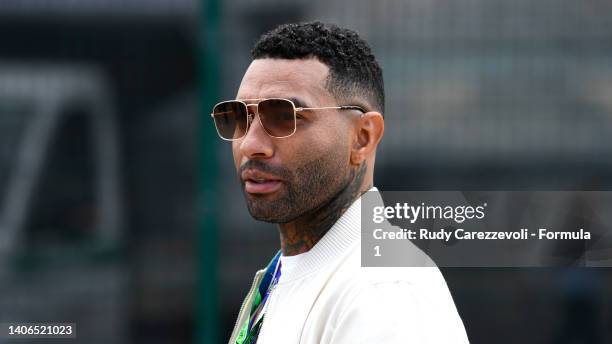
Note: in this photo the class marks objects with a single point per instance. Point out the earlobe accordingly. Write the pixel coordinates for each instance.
(357, 157)
(369, 132)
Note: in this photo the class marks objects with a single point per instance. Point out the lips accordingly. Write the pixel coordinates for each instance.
(258, 182)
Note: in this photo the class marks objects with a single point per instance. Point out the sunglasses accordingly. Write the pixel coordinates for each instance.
(278, 116)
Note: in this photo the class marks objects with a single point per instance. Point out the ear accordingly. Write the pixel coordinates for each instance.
(368, 133)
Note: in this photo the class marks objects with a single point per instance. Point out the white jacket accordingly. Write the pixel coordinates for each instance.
(324, 296)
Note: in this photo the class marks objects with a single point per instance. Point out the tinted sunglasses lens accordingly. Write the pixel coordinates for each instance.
(230, 119)
(277, 117)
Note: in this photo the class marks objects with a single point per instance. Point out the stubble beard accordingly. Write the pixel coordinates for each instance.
(303, 191)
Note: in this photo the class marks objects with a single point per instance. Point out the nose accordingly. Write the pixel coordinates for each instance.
(256, 144)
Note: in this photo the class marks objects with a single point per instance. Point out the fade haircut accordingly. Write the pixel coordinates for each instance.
(354, 71)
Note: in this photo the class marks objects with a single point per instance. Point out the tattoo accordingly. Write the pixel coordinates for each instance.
(301, 235)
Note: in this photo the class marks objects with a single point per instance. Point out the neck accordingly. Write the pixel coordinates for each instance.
(301, 234)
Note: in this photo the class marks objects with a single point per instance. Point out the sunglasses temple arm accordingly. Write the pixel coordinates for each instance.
(343, 107)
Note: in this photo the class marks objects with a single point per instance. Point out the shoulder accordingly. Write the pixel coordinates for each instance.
(424, 282)
(398, 303)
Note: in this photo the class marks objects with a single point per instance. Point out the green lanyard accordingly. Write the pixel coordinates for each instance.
(249, 331)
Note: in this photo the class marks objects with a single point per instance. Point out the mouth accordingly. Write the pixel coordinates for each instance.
(256, 182)
(261, 186)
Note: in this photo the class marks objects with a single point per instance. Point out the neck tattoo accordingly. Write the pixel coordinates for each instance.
(301, 235)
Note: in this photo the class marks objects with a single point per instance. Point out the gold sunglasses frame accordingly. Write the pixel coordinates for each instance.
(295, 111)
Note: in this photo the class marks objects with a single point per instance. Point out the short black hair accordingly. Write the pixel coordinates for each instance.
(354, 70)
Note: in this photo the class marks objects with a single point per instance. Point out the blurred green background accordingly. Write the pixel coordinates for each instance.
(119, 206)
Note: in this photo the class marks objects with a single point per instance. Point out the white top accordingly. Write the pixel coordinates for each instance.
(289, 263)
(324, 296)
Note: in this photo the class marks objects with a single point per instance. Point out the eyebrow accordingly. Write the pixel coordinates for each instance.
(297, 101)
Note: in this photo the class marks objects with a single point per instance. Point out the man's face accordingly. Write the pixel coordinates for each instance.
(284, 178)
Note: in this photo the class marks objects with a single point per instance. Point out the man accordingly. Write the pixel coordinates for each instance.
(304, 129)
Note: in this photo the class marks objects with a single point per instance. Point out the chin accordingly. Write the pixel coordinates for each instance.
(268, 212)
(266, 217)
